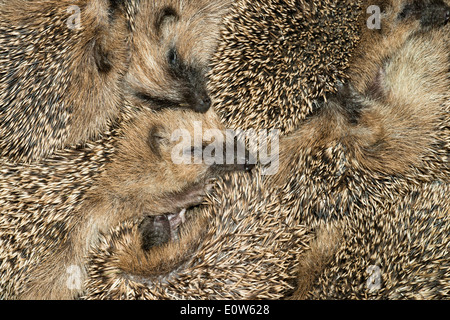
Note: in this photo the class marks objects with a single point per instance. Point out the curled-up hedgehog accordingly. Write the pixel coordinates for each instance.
(52, 212)
(61, 64)
(171, 48)
(243, 245)
(398, 251)
(398, 20)
(374, 167)
(67, 66)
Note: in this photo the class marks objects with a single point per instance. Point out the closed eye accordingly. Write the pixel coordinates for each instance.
(155, 140)
(172, 58)
(155, 102)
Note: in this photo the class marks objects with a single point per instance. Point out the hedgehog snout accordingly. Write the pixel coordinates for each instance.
(203, 103)
(198, 96)
(436, 16)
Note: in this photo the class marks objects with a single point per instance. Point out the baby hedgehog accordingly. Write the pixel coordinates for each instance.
(374, 166)
(172, 43)
(243, 245)
(52, 212)
(61, 63)
(66, 66)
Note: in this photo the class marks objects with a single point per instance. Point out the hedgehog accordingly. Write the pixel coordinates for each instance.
(398, 251)
(373, 166)
(399, 19)
(53, 211)
(200, 273)
(363, 183)
(171, 48)
(249, 250)
(62, 63)
(275, 58)
(69, 65)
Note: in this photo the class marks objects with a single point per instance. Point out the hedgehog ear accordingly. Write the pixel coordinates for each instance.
(117, 11)
(155, 139)
(377, 87)
(102, 57)
(165, 17)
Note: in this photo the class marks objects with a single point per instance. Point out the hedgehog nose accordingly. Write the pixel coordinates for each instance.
(203, 103)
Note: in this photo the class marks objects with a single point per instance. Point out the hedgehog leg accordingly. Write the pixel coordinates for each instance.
(155, 231)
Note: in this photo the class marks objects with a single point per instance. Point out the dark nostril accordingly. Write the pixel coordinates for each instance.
(207, 99)
(447, 17)
(203, 104)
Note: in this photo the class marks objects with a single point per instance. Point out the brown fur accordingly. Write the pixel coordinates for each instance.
(249, 250)
(378, 170)
(172, 44)
(377, 45)
(367, 174)
(59, 86)
(73, 196)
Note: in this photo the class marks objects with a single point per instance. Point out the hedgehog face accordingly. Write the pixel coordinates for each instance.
(162, 164)
(171, 45)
